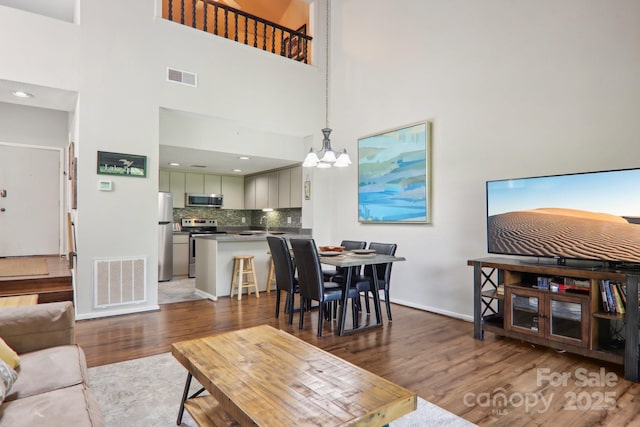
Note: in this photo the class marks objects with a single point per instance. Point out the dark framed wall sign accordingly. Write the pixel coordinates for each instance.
(394, 169)
(122, 164)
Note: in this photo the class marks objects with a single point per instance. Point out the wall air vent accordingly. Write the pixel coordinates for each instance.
(184, 77)
(119, 281)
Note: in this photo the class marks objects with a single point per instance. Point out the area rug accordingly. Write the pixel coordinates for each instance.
(146, 392)
(10, 267)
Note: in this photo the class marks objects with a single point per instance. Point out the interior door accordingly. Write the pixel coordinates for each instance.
(29, 200)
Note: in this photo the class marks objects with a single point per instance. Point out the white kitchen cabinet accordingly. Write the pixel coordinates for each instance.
(194, 183)
(212, 184)
(233, 190)
(284, 188)
(272, 201)
(278, 189)
(177, 187)
(163, 184)
(262, 191)
(180, 254)
(296, 187)
(290, 187)
(250, 192)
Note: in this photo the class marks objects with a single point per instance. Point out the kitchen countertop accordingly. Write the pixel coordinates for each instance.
(253, 237)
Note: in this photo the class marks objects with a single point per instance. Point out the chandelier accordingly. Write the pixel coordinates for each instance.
(326, 157)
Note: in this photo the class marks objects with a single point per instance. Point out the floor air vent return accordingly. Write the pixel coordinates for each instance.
(184, 77)
(119, 281)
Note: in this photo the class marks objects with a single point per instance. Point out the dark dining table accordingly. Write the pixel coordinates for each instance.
(348, 261)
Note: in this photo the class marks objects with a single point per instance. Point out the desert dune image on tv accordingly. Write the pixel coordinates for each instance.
(591, 216)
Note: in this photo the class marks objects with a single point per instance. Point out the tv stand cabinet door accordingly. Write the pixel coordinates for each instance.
(523, 310)
(568, 318)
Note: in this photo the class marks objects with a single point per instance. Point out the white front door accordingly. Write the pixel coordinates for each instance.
(29, 200)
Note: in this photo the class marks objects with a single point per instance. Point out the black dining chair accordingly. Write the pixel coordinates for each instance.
(364, 283)
(312, 285)
(331, 274)
(285, 274)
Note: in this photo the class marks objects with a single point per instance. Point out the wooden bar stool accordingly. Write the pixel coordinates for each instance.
(271, 279)
(244, 275)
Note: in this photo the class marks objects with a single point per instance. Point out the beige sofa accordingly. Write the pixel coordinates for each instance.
(51, 389)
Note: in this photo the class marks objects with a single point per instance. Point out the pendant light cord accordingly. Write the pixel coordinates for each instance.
(326, 69)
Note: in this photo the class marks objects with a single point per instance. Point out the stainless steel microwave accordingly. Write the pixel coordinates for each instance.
(204, 200)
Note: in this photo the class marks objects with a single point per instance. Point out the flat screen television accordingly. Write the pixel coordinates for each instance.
(583, 216)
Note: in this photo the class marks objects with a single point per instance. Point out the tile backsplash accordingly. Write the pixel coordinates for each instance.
(233, 218)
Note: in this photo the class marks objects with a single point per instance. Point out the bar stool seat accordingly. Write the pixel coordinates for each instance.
(244, 275)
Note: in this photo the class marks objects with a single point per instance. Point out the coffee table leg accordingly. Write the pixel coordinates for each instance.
(185, 394)
(185, 397)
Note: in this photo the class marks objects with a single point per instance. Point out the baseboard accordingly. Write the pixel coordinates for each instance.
(108, 313)
(206, 295)
(447, 313)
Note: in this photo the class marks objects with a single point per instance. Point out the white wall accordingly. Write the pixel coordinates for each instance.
(116, 60)
(16, 125)
(513, 89)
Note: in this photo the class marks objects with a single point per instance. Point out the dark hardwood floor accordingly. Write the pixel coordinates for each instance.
(497, 381)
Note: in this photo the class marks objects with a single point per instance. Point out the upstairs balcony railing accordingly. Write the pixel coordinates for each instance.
(234, 24)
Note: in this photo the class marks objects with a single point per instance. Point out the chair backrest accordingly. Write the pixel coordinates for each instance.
(282, 263)
(310, 276)
(350, 245)
(383, 270)
(353, 244)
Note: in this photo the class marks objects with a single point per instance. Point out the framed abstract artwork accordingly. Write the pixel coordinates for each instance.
(394, 169)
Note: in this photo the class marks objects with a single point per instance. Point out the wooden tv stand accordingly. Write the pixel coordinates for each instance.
(574, 321)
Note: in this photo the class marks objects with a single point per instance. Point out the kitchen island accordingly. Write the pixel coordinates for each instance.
(214, 260)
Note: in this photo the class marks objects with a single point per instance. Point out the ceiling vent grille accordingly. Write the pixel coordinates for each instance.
(183, 77)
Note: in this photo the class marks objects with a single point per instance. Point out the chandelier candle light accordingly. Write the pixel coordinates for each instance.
(326, 157)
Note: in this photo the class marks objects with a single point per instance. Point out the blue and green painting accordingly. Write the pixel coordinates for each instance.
(392, 176)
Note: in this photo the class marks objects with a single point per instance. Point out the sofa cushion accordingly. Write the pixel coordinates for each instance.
(72, 406)
(7, 377)
(49, 369)
(34, 327)
(7, 354)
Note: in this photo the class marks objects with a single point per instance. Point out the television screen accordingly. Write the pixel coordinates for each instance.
(584, 216)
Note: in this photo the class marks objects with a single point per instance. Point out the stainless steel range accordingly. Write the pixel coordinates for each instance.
(198, 227)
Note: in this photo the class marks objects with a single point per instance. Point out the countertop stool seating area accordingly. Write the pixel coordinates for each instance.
(364, 283)
(312, 284)
(284, 271)
(244, 276)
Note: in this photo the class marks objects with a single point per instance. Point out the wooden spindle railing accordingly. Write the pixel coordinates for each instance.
(240, 27)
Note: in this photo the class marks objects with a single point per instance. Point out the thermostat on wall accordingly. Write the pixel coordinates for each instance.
(105, 185)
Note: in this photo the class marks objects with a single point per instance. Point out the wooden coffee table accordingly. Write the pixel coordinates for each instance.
(266, 377)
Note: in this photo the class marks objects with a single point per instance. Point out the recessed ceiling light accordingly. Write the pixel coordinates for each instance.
(244, 158)
(237, 170)
(21, 94)
(174, 164)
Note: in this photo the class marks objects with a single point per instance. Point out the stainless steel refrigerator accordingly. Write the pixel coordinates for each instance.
(165, 236)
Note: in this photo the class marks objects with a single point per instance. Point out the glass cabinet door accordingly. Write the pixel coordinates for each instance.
(524, 311)
(566, 319)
